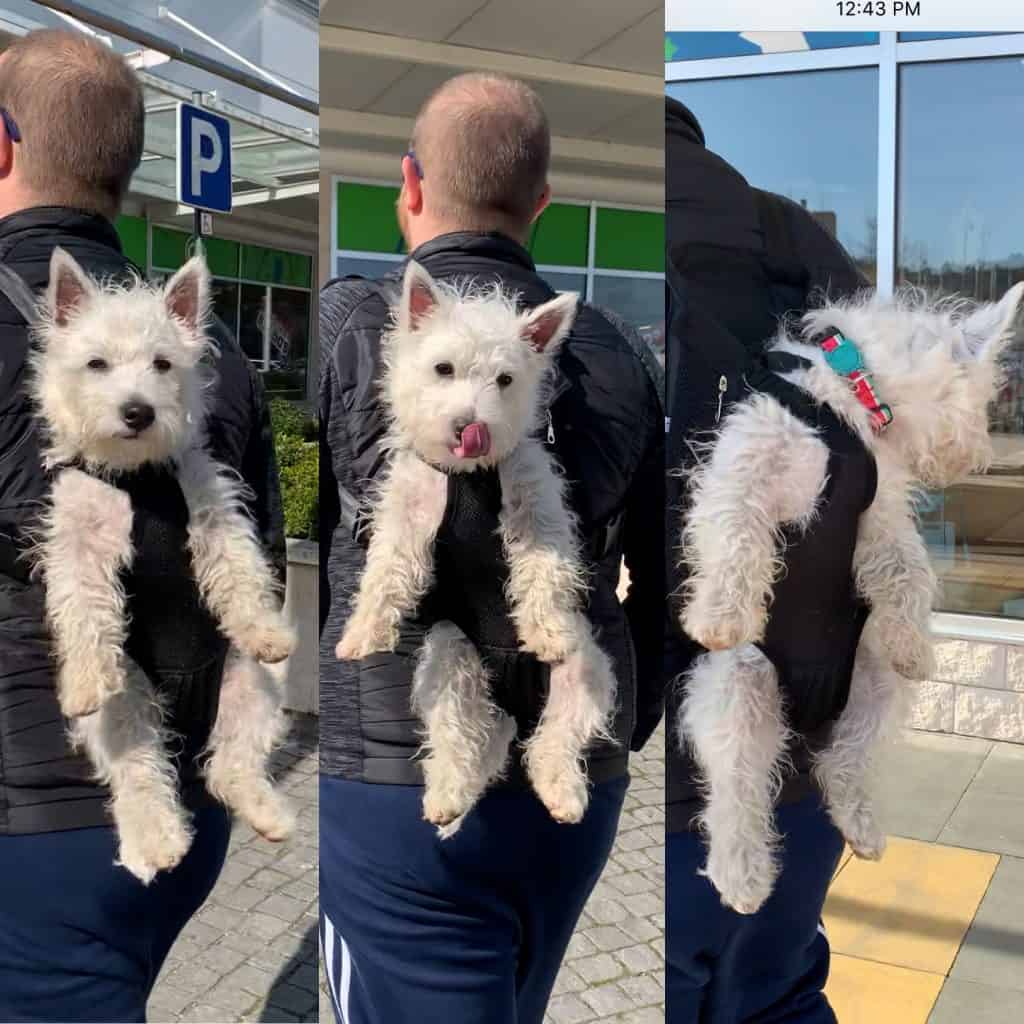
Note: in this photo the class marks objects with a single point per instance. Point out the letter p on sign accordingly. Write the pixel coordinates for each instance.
(204, 159)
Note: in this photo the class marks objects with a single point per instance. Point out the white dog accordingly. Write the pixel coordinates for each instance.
(464, 387)
(938, 368)
(119, 383)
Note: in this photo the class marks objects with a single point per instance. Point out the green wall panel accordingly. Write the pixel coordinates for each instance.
(222, 257)
(559, 236)
(366, 218)
(132, 231)
(170, 248)
(273, 266)
(630, 240)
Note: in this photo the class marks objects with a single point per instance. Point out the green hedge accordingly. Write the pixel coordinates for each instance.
(298, 461)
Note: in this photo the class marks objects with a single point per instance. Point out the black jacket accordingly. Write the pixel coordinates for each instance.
(609, 438)
(44, 786)
(738, 259)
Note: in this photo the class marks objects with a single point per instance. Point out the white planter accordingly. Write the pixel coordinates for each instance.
(302, 606)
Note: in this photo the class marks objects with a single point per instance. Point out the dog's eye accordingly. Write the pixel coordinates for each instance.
(97, 364)
(504, 379)
(445, 370)
(161, 365)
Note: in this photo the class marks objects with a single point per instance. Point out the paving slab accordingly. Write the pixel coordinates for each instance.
(923, 777)
(250, 951)
(912, 909)
(864, 992)
(990, 816)
(993, 949)
(966, 1002)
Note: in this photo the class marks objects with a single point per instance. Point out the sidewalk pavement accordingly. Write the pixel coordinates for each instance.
(614, 970)
(251, 953)
(934, 933)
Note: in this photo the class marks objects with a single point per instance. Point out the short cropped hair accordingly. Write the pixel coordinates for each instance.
(484, 146)
(80, 111)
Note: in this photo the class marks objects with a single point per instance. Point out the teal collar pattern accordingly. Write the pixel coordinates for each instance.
(843, 356)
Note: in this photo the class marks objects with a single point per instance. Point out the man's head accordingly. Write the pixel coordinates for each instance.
(482, 147)
(79, 111)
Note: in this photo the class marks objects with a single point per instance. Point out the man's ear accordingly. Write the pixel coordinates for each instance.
(542, 203)
(544, 328)
(70, 289)
(989, 327)
(420, 297)
(411, 194)
(187, 294)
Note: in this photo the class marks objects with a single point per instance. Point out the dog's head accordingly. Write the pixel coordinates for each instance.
(117, 367)
(938, 365)
(465, 370)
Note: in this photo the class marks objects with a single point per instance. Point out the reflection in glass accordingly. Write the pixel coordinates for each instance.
(961, 230)
(638, 300)
(289, 342)
(565, 282)
(371, 269)
(224, 295)
(252, 322)
(810, 136)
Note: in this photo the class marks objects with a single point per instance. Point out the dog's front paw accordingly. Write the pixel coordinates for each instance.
(564, 794)
(912, 654)
(269, 641)
(743, 873)
(265, 810)
(159, 844)
(441, 807)
(362, 638)
(550, 641)
(724, 631)
(84, 693)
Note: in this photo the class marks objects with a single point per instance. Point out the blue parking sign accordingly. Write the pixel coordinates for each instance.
(204, 159)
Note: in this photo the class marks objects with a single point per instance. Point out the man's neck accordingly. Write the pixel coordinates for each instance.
(415, 238)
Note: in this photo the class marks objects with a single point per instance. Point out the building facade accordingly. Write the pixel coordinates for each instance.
(904, 145)
(263, 254)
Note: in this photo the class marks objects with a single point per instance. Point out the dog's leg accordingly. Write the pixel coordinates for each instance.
(767, 469)
(466, 737)
(844, 767)
(250, 725)
(580, 702)
(895, 576)
(400, 558)
(125, 742)
(232, 571)
(732, 716)
(546, 576)
(85, 541)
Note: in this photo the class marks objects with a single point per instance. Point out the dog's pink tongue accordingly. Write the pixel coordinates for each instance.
(475, 441)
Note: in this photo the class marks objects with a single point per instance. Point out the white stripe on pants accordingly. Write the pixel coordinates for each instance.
(339, 977)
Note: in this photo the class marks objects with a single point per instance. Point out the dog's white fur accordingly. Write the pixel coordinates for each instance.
(938, 367)
(497, 362)
(99, 349)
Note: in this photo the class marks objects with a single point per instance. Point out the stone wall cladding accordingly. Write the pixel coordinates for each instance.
(978, 690)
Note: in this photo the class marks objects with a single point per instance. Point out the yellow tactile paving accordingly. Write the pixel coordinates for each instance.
(862, 992)
(912, 909)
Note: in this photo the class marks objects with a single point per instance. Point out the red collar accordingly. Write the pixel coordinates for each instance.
(843, 356)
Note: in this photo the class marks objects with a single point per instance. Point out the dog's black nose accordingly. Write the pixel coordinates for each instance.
(137, 415)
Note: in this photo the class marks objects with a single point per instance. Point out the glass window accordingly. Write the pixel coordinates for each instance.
(559, 236)
(961, 229)
(225, 303)
(705, 45)
(366, 218)
(370, 268)
(565, 282)
(638, 300)
(252, 321)
(811, 136)
(289, 342)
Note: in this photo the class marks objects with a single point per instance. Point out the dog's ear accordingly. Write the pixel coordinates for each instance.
(987, 330)
(420, 297)
(187, 294)
(70, 287)
(544, 328)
